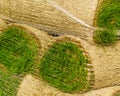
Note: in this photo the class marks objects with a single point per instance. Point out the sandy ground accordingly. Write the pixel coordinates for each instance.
(43, 15)
(3, 25)
(80, 9)
(34, 87)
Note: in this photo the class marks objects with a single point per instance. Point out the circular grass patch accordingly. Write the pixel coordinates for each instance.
(64, 67)
(18, 49)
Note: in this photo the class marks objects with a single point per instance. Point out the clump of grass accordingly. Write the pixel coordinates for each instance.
(18, 50)
(9, 84)
(63, 66)
(108, 18)
(105, 37)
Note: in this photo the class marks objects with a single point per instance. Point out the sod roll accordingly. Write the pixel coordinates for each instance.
(104, 62)
(67, 66)
(20, 49)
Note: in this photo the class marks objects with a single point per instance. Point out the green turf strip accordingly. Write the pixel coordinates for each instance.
(9, 84)
(108, 18)
(18, 49)
(63, 66)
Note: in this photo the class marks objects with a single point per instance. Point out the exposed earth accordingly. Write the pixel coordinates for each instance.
(34, 87)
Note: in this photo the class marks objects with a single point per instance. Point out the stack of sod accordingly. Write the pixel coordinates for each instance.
(18, 53)
(64, 66)
(109, 20)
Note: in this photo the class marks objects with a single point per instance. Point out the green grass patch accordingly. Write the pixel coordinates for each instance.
(108, 18)
(9, 84)
(18, 55)
(18, 50)
(63, 66)
(105, 37)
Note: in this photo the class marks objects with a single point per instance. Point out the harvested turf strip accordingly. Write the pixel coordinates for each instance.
(18, 50)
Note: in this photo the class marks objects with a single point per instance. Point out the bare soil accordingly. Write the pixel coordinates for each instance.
(31, 86)
(3, 25)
